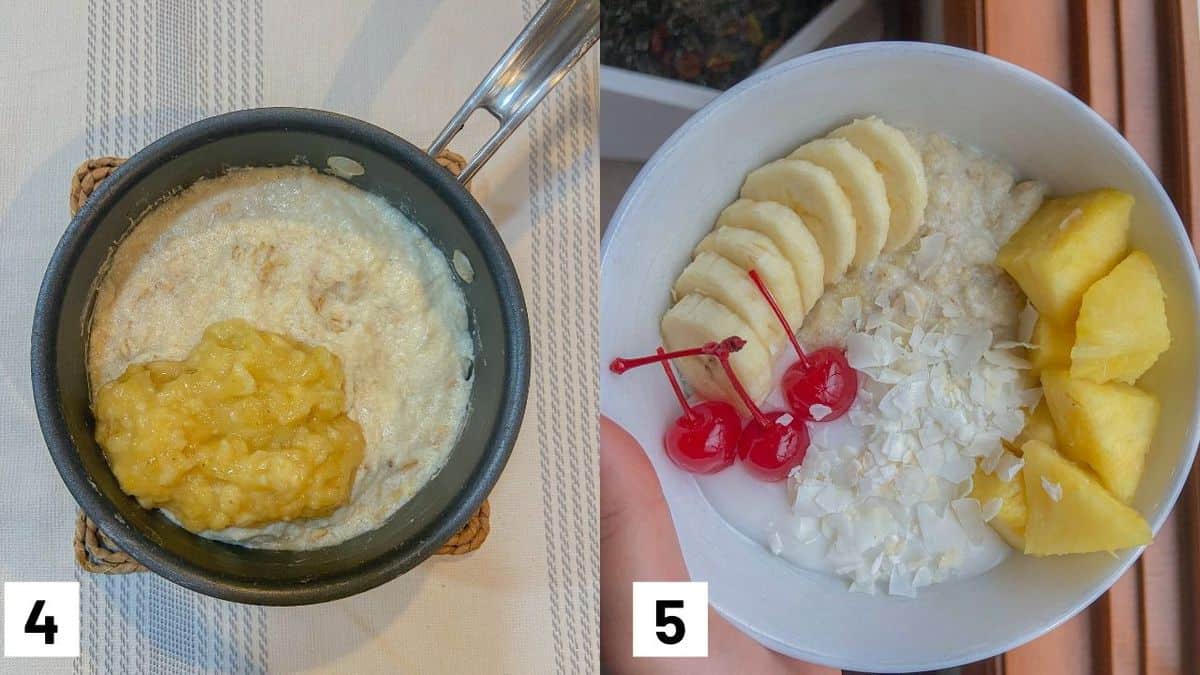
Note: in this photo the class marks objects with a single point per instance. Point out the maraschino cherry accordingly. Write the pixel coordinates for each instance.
(705, 438)
(823, 377)
(772, 444)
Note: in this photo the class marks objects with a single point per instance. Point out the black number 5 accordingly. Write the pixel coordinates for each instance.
(662, 620)
(49, 627)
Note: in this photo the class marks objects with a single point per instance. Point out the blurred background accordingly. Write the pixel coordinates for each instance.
(662, 60)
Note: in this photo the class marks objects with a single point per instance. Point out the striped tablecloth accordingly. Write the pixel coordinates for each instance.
(82, 79)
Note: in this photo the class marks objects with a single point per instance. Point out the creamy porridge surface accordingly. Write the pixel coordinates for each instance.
(309, 256)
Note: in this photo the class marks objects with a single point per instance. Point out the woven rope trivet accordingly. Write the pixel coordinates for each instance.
(94, 551)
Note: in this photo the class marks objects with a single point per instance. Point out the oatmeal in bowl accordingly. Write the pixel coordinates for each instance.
(920, 472)
(903, 424)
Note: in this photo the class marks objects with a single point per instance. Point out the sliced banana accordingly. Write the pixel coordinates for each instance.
(813, 193)
(716, 277)
(751, 250)
(696, 320)
(863, 185)
(789, 233)
(903, 174)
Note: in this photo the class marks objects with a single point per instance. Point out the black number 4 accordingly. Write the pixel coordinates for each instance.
(662, 620)
(32, 626)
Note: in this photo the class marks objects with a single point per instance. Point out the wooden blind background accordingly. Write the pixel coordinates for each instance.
(1137, 62)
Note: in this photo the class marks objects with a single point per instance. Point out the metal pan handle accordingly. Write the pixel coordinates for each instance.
(560, 33)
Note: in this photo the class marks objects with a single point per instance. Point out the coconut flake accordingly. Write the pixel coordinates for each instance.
(1075, 213)
(806, 529)
(888, 376)
(883, 300)
(965, 488)
(929, 254)
(911, 485)
(901, 584)
(957, 469)
(819, 411)
(1003, 358)
(983, 445)
(860, 351)
(891, 505)
(805, 502)
(776, 543)
(930, 434)
(1026, 322)
(834, 499)
(1010, 424)
(970, 517)
(1052, 489)
(1030, 397)
(852, 308)
(864, 584)
(930, 458)
(941, 533)
(992, 460)
(914, 303)
(1008, 466)
(873, 528)
(923, 577)
(971, 350)
(991, 508)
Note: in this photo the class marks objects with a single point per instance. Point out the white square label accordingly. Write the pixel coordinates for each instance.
(670, 618)
(41, 618)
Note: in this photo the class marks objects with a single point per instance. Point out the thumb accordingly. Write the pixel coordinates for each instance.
(629, 487)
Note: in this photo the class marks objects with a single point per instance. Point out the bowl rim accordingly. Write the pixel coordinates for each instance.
(996, 67)
(74, 240)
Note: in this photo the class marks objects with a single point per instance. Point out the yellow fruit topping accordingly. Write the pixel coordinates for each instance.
(1122, 325)
(1070, 511)
(1052, 346)
(1067, 245)
(249, 429)
(1009, 523)
(1039, 426)
(1108, 427)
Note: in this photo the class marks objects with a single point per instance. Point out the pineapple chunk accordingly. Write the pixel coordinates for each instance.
(1039, 426)
(1122, 325)
(1085, 518)
(1105, 426)
(1067, 245)
(1053, 346)
(1010, 522)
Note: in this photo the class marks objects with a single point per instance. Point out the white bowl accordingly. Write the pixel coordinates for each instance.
(1045, 133)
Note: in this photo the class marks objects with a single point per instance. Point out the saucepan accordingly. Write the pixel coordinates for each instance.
(381, 163)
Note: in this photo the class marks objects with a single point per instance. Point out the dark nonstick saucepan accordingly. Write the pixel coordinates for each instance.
(410, 179)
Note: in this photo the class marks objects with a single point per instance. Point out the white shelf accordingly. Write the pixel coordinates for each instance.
(638, 112)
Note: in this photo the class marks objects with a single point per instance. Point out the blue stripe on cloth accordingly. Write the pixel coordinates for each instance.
(564, 211)
(154, 66)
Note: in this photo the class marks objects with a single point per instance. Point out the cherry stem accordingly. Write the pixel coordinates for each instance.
(721, 350)
(762, 288)
(758, 415)
(727, 346)
(687, 409)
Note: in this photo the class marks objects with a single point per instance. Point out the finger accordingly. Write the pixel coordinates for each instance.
(628, 484)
